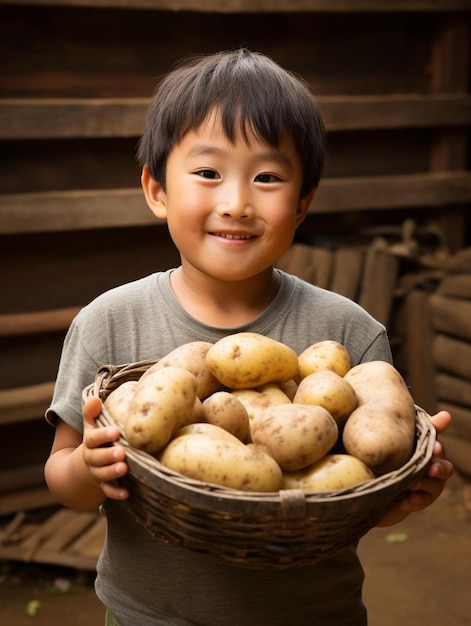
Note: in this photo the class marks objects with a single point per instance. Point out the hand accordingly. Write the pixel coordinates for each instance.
(426, 490)
(105, 462)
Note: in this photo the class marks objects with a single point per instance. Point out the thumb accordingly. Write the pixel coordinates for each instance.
(91, 410)
(441, 421)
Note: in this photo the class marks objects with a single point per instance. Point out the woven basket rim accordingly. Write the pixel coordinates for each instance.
(109, 377)
(276, 530)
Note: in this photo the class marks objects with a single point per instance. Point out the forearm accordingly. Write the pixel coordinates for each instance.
(70, 481)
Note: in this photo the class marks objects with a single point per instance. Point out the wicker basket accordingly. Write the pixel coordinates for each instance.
(256, 530)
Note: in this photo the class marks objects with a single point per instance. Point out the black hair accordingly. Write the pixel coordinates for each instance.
(248, 89)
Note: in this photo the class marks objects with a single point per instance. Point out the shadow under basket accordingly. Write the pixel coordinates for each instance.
(276, 530)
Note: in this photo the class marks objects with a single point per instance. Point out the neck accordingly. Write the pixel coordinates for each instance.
(224, 304)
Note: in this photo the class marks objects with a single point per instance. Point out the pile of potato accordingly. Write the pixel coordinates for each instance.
(248, 413)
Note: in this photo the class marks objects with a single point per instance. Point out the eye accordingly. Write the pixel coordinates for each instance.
(210, 174)
(266, 178)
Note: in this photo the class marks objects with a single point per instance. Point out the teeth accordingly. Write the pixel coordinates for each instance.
(227, 236)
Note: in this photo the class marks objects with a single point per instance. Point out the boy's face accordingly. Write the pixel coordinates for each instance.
(231, 208)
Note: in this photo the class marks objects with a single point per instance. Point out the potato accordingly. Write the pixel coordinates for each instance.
(213, 460)
(161, 403)
(295, 435)
(225, 410)
(211, 430)
(192, 357)
(327, 389)
(289, 387)
(274, 393)
(381, 430)
(196, 413)
(324, 355)
(332, 472)
(118, 402)
(247, 360)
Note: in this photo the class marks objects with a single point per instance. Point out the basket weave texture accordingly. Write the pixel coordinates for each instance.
(257, 530)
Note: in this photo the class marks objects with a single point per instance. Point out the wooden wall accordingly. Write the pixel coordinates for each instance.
(392, 78)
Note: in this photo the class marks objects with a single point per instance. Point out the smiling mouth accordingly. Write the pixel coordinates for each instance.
(229, 236)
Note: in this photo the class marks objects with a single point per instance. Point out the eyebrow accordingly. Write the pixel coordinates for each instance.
(269, 155)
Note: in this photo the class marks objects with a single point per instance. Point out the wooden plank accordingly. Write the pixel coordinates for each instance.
(90, 543)
(69, 538)
(25, 403)
(310, 263)
(449, 67)
(420, 369)
(72, 526)
(452, 389)
(456, 286)
(251, 6)
(75, 210)
(378, 282)
(458, 450)
(26, 499)
(364, 112)
(25, 477)
(451, 316)
(54, 118)
(452, 355)
(460, 262)
(35, 322)
(57, 118)
(347, 271)
(392, 192)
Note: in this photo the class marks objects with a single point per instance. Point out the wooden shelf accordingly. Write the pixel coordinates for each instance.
(252, 6)
(57, 118)
(77, 210)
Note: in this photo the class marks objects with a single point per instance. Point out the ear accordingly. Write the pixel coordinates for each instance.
(303, 206)
(154, 193)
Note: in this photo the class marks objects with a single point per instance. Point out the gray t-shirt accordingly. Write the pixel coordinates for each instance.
(146, 582)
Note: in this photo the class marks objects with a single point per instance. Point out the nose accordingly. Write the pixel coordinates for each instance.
(235, 203)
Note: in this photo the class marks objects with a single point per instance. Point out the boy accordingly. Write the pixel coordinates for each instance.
(231, 156)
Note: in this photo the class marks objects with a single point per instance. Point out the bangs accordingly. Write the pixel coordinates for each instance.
(250, 94)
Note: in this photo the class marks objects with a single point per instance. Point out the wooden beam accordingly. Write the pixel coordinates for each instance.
(76, 210)
(418, 191)
(449, 67)
(25, 403)
(35, 322)
(60, 118)
(253, 6)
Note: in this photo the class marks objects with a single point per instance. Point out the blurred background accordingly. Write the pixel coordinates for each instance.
(390, 226)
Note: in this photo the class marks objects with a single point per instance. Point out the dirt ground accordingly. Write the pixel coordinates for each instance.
(417, 574)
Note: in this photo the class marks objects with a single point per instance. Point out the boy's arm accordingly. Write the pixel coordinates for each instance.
(427, 489)
(82, 473)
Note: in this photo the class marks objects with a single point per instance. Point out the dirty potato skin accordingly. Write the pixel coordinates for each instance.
(248, 360)
(295, 435)
(222, 462)
(327, 389)
(381, 430)
(332, 472)
(225, 410)
(161, 403)
(192, 357)
(324, 355)
(118, 403)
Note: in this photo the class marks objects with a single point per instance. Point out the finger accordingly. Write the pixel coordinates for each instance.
(99, 455)
(97, 436)
(91, 409)
(441, 421)
(114, 491)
